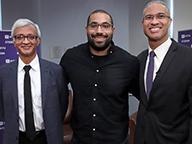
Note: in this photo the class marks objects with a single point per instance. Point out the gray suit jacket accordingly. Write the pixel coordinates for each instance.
(166, 117)
(54, 101)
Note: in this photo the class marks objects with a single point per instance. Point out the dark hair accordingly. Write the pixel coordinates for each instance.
(99, 11)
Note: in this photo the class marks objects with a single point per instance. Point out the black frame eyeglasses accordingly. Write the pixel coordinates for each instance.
(159, 16)
(103, 26)
(21, 37)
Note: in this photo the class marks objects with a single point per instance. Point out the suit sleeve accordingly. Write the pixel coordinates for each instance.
(63, 92)
(190, 108)
(135, 81)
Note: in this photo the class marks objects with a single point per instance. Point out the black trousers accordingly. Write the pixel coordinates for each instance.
(40, 138)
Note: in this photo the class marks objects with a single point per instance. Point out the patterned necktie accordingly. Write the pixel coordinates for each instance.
(150, 69)
(29, 121)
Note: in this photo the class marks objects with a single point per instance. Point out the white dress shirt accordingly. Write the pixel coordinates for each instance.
(35, 76)
(160, 53)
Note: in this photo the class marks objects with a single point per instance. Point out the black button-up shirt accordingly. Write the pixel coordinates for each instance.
(100, 87)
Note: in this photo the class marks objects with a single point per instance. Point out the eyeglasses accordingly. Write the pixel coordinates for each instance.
(103, 26)
(21, 37)
(159, 16)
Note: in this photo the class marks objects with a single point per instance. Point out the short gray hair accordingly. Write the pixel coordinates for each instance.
(157, 2)
(24, 22)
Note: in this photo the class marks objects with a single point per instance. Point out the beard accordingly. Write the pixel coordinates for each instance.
(101, 47)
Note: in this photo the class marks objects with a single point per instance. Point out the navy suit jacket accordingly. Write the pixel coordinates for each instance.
(166, 117)
(54, 101)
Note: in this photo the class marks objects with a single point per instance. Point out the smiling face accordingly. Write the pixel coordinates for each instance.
(156, 23)
(26, 41)
(99, 32)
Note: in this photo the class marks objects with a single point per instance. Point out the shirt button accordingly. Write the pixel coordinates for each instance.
(94, 115)
(94, 99)
(97, 70)
(94, 129)
(95, 85)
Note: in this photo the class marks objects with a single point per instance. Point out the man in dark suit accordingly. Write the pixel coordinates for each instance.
(165, 110)
(46, 88)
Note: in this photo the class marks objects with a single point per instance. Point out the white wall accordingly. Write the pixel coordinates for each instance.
(12, 10)
(137, 39)
(65, 27)
(182, 16)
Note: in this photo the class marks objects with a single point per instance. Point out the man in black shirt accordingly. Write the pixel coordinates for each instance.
(101, 76)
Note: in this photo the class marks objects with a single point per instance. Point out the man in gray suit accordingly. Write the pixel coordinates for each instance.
(38, 120)
(165, 110)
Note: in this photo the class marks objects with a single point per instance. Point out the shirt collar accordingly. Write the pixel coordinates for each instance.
(34, 64)
(161, 50)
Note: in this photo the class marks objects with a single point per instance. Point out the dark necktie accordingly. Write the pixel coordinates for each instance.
(29, 121)
(150, 69)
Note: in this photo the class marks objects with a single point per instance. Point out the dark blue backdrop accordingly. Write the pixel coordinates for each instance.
(185, 37)
(8, 54)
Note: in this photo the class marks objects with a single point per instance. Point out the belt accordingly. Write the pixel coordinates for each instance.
(37, 133)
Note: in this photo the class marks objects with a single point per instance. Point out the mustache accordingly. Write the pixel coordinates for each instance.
(156, 26)
(99, 34)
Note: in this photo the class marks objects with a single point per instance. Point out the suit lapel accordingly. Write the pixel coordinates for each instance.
(143, 60)
(44, 80)
(165, 64)
(12, 79)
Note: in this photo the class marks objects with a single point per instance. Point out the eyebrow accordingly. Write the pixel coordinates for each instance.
(94, 22)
